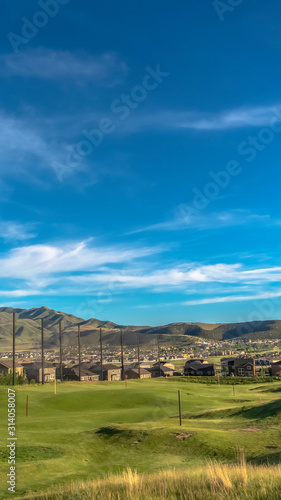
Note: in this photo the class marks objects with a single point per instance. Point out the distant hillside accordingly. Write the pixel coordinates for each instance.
(28, 330)
(28, 325)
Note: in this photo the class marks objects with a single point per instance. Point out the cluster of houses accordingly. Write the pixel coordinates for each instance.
(247, 367)
(87, 371)
(233, 367)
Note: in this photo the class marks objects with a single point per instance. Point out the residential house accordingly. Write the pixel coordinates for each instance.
(244, 367)
(263, 362)
(85, 365)
(110, 372)
(132, 373)
(164, 371)
(227, 367)
(57, 366)
(7, 367)
(276, 369)
(34, 372)
(169, 365)
(197, 368)
(86, 375)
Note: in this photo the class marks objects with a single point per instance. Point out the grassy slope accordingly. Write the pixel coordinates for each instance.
(212, 482)
(93, 430)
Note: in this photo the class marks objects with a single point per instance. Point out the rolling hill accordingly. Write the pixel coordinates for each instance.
(28, 329)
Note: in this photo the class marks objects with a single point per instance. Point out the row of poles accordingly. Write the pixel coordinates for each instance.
(79, 352)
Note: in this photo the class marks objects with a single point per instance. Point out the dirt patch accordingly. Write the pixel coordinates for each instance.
(182, 436)
(240, 401)
(121, 437)
(248, 429)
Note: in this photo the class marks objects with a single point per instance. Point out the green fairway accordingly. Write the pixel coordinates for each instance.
(92, 430)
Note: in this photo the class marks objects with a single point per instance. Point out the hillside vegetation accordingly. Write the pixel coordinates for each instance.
(212, 482)
(28, 330)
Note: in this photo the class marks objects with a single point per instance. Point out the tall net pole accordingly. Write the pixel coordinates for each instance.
(139, 356)
(158, 346)
(101, 360)
(122, 355)
(79, 352)
(60, 338)
(14, 348)
(42, 348)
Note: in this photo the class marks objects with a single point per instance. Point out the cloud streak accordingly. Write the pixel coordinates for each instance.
(10, 231)
(243, 117)
(84, 268)
(49, 260)
(213, 220)
(180, 277)
(18, 138)
(49, 64)
(29, 139)
(87, 269)
(232, 298)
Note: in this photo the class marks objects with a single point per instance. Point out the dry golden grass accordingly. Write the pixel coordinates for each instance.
(212, 482)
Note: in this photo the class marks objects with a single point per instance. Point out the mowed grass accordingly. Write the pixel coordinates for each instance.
(90, 431)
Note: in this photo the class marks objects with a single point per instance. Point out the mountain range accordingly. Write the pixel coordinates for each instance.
(28, 326)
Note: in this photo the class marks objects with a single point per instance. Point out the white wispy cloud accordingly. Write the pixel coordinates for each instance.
(66, 260)
(41, 260)
(241, 117)
(31, 142)
(11, 230)
(29, 145)
(218, 300)
(237, 118)
(18, 137)
(179, 276)
(85, 269)
(232, 298)
(50, 64)
(19, 293)
(182, 219)
(12, 303)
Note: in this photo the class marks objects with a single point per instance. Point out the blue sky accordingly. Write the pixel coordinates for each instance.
(140, 159)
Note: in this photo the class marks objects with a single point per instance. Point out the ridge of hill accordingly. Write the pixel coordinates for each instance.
(28, 329)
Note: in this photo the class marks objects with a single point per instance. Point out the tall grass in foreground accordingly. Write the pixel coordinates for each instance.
(212, 482)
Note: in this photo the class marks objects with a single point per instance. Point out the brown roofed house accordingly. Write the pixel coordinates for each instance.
(227, 366)
(86, 375)
(7, 367)
(244, 367)
(34, 372)
(133, 373)
(276, 369)
(164, 371)
(109, 372)
(197, 368)
(169, 365)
